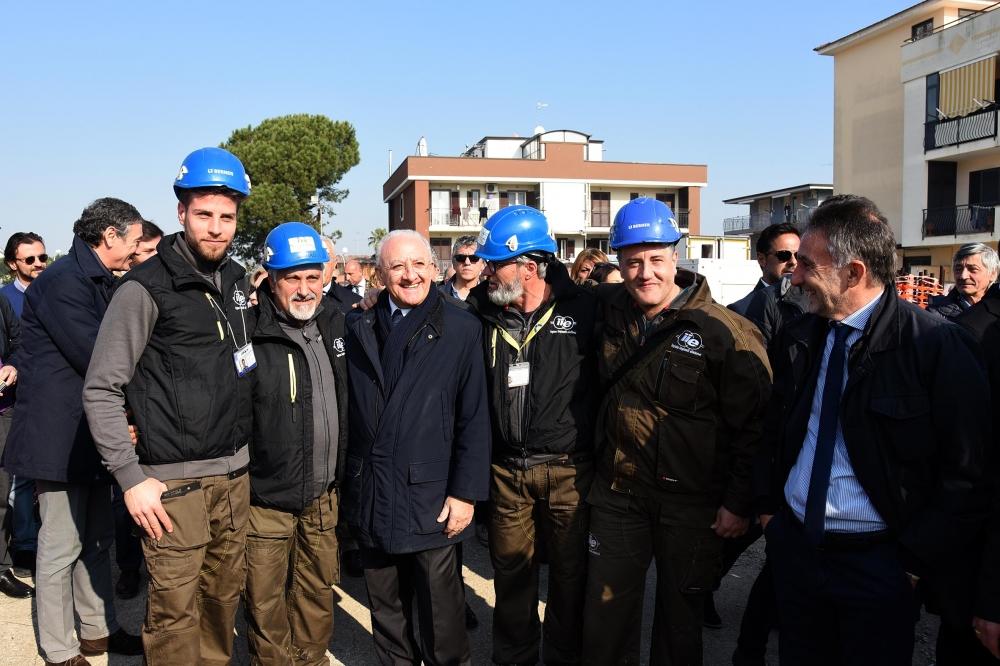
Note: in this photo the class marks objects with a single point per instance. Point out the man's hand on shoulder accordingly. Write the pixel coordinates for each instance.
(143, 503)
(988, 634)
(728, 525)
(369, 300)
(458, 513)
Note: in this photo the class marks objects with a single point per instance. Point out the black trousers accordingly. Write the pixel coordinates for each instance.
(839, 605)
(958, 646)
(5, 513)
(430, 581)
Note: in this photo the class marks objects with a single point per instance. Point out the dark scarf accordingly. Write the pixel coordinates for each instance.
(393, 341)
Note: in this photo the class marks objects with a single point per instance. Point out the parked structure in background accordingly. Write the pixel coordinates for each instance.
(562, 173)
(915, 126)
(789, 204)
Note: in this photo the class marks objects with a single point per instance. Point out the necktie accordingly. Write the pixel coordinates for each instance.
(397, 316)
(819, 481)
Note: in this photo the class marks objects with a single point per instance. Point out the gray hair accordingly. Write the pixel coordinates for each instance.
(104, 213)
(543, 267)
(403, 233)
(990, 259)
(855, 229)
(463, 241)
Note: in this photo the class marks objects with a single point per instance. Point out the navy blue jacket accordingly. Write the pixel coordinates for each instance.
(50, 439)
(428, 439)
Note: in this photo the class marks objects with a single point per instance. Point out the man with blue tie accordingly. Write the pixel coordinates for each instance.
(871, 489)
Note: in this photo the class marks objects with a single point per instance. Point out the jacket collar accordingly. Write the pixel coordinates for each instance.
(183, 273)
(88, 261)
(562, 286)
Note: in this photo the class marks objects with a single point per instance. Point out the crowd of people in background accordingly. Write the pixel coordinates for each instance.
(245, 436)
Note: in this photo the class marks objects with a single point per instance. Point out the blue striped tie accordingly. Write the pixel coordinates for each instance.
(819, 481)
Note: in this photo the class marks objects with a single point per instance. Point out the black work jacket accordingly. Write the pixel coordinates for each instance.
(921, 467)
(187, 400)
(281, 455)
(563, 390)
(426, 439)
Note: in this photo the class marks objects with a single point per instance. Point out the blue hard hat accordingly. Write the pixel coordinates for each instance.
(513, 231)
(644, 220)
(212, 167)
(293, 244)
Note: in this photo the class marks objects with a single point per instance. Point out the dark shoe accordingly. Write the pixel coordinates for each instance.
(12, 587)
(78, 660)
(351, 563)
(128, 584)
(471, 621)
(23, 563)
(710, 616)
(119, 642)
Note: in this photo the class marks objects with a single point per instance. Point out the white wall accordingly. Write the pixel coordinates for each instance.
(914, 198)
(504, 148)
(564, 205)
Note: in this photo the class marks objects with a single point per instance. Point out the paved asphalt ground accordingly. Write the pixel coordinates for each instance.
(352, 643)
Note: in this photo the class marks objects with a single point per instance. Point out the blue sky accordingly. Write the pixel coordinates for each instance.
(106, 99)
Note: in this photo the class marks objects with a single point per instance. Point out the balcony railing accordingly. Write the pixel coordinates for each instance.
(958, 220)
(446, 217)
(752, 224)
(956, 131)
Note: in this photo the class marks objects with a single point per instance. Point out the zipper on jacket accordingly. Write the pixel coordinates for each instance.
(292, 384)
(218, 321)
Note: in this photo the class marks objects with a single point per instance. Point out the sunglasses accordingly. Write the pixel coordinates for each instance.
(462, 258)
(31, 260)
(783, 255)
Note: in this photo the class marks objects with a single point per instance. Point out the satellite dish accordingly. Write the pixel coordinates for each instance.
(422, 147)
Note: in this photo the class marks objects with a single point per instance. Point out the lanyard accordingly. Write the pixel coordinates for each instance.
(222, 313)
(509, 339)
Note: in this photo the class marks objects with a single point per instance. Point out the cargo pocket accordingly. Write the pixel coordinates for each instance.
(428, 484)
(677, 385)
(189, 515)
(696, 557)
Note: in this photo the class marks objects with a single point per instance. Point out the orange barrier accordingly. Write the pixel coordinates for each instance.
(918, 289)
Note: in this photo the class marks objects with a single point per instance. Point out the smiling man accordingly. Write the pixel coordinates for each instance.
(686, 383)
(176, 350)
(975, 268)
(419, 452)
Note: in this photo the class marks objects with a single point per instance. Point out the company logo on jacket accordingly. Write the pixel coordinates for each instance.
(563, 324)
(688, 342)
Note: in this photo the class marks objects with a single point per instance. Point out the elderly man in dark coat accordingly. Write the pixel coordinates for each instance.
(50, 441)
(418, 454)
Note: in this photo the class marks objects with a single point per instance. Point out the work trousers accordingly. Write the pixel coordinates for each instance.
(837, 605)
(73, 567)
(429, 578)
(197, 571)
(292, 562)
(543, 504)
(622, 543)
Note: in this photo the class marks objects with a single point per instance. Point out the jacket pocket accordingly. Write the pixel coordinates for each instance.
(677, 385)
(905, 421)
(685, 453)
(428, 485)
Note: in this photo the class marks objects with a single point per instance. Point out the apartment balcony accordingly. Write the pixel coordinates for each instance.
(756, 223)
(956, 131)
(603, 218)
(958, 221)
(441, 218)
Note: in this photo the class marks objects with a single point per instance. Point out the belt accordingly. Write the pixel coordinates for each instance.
(238, 473)
(842, 541)
(527, 462)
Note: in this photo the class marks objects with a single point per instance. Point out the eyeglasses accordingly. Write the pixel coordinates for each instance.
(495, 266)
(783, 255)
(462, 258)
(31, 260)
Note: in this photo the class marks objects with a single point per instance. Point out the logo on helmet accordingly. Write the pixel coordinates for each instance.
(301, 244)
(180, 174)
(268, 253)
(673, 223)
(512, 243)
(484, 234)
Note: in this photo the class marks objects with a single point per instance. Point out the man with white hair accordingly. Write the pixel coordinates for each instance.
(340, 297)
(299, 445)
(975, 268)
(418, 455)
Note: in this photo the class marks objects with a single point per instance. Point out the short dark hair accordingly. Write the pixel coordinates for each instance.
(856, 229)
(150, 231)
(18, 239)
(600, 272)
(464, 241)
(185, 195)
(104, 213)
(767, 236)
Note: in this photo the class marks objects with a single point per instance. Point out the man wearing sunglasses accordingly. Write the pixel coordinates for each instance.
(468, 268)
(26, 259)
(776, 250)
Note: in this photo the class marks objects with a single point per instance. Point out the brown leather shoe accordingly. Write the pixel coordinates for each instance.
(78, 660)
(119, 642)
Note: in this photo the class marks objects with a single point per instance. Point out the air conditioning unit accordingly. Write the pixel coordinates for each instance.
(491, 188)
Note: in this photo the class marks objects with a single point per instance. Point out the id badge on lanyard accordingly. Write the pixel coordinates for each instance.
(244, 359)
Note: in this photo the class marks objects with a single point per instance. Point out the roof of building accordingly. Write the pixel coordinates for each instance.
(831, 48)
(783, 192)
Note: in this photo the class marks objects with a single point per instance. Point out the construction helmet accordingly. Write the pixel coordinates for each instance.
(644, 220)
(513, 231)
(212, 167)
(293, 244)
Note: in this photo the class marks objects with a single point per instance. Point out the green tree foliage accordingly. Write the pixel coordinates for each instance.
(290, 159)
(376, 237)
